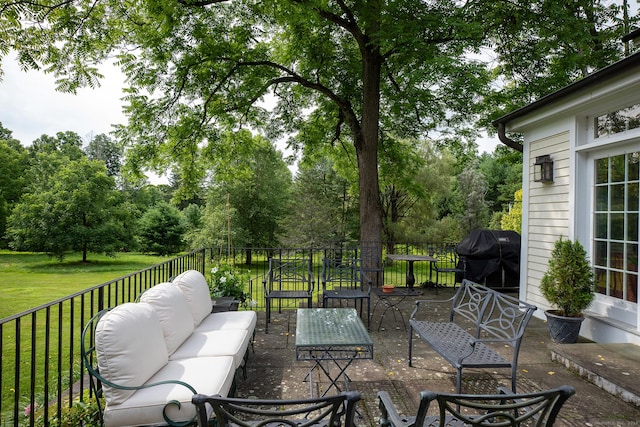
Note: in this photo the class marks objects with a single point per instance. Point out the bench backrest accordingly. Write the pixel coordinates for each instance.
(470, 302)
(493, 313)
(506, 317)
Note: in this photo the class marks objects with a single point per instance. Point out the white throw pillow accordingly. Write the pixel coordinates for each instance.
(195, 289)
(172, 309)
(130, 348)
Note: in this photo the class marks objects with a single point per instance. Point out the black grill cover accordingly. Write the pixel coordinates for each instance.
(493, 257)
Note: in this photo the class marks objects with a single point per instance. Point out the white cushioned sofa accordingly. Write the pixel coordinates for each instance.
(154, 355)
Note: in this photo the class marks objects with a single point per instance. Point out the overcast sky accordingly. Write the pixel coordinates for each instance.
(30, 105)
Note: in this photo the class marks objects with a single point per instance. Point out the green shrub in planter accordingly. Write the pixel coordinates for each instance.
(569, 282)
(568, 285)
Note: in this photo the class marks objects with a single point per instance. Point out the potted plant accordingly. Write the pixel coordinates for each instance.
(226, 282)
(568, 285)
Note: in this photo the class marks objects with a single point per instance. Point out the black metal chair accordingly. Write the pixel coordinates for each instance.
(504, 409)
(449, 262)
(343, 279)
(288, 279)
(331, 411)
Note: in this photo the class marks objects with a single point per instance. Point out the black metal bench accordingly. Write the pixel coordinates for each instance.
(483, 329)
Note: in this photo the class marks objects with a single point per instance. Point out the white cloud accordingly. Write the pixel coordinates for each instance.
(30, 106)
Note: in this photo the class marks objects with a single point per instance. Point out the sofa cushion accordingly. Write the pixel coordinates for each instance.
(195, 289)
(207, 375)
(130, 348)
(225, 320)
(233, 342)
(172, 309)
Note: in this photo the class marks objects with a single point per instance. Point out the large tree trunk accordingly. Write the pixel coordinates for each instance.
(366, 144)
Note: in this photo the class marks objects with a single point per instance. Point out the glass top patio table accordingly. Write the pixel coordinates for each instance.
(331, 334)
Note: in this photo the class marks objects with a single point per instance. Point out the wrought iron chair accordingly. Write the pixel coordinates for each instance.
(343, 279)
(504, 409)
(287, 279)
(324, 411)
(449, 262)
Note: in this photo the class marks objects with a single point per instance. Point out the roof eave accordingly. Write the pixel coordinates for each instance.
(604, 73)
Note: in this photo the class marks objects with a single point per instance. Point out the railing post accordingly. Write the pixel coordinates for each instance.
(101, 298)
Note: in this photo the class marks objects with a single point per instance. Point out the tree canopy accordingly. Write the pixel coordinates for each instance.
(338, 71)
(79, 211)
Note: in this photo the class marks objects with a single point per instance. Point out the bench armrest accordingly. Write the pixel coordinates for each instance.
(431, 303)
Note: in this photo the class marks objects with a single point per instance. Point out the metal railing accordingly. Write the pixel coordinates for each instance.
(41, 373)
(254, 263)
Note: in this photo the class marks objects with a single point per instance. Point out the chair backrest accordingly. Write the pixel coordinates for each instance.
(504, 409)
(445, 258)
(342, 272)
(371, 258)
(290, 273)
(331, 411)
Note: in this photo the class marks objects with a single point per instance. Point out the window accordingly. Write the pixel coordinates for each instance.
(616, 223)
(618, 121)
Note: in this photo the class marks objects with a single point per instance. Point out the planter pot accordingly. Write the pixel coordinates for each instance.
(225, 304)
(562, 329)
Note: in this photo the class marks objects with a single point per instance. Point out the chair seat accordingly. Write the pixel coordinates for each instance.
(345, 293)
(449, 270)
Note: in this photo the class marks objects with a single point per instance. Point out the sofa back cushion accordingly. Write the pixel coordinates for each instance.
(195, 289)
(173, 312)
(130, 348)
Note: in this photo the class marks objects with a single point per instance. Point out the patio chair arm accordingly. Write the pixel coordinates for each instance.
(366, 279)
(389, 416)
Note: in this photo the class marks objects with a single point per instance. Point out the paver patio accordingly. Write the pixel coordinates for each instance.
(273, 371)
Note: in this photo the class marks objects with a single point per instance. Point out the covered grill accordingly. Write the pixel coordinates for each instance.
(492, 258)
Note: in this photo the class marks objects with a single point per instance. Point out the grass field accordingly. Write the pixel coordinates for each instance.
(28, 280)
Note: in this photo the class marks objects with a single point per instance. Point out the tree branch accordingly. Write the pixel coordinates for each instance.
(200, 3)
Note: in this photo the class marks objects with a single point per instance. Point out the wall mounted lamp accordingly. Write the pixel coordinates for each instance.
(543, 169)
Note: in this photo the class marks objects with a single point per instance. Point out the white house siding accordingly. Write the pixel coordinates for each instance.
(547, 213)
(562, 127)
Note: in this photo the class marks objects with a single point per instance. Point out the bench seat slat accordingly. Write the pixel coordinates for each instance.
(451, 342)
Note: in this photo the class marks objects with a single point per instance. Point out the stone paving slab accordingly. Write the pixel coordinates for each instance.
(273, 372)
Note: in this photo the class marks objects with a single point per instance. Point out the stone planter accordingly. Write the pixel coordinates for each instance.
(562, 329)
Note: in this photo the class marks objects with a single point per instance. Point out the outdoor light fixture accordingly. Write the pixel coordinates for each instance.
(543, 169)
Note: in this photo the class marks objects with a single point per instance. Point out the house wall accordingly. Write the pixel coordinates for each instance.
(564, 130)
(547, 210)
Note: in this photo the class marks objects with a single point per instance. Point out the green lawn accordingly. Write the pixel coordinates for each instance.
(28, 280)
